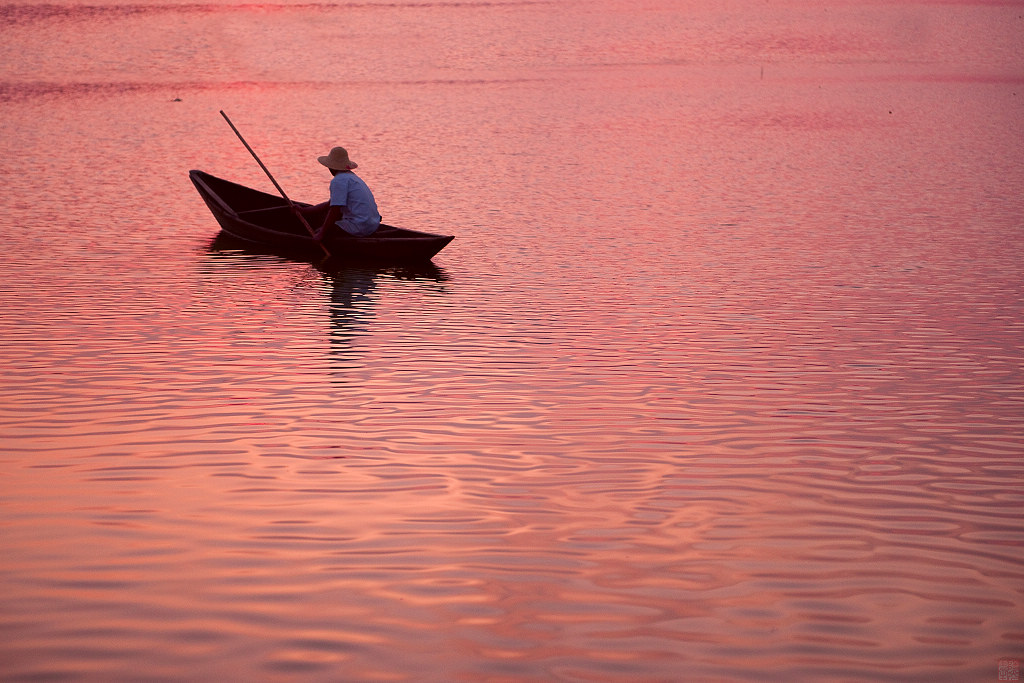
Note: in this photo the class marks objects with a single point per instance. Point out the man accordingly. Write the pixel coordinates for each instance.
(351, 206)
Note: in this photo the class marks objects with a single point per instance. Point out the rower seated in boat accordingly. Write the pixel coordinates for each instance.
(351, 207)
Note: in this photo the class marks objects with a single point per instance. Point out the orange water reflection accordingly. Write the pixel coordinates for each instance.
(721, 380)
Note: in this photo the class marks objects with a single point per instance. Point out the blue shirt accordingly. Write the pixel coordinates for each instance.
(360, 216)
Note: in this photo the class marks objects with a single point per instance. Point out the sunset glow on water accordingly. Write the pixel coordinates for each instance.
(720, 380)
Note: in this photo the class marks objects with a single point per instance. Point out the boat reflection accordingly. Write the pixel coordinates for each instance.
(352, 291)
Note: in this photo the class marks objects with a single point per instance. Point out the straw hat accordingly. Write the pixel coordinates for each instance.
(338, 160)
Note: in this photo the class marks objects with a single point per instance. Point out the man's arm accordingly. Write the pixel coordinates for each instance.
(310, 210)
(332, 217)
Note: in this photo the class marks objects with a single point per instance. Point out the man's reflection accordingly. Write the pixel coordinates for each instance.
(353, 298)
(351, 308)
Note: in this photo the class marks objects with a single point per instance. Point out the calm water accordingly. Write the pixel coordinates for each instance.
(720, 380)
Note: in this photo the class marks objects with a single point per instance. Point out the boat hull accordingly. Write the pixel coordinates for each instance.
(264, 222)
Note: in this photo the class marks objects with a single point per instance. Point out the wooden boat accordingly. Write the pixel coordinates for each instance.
(265, 221)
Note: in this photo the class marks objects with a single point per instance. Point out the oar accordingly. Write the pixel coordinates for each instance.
(279, 188)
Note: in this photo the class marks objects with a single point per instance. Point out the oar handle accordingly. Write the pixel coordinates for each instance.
(276, 184)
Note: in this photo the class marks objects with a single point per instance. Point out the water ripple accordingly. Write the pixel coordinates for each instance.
(721, 380)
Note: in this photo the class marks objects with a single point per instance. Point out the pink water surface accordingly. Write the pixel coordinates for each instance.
(720, 380)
